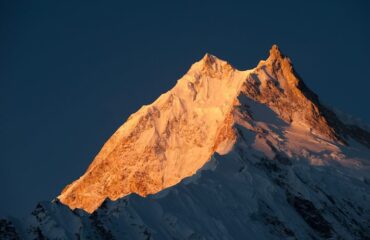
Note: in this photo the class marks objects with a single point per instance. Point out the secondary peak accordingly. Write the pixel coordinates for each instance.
(275, 52)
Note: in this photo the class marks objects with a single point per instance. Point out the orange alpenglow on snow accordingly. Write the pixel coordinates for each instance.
(170, 139)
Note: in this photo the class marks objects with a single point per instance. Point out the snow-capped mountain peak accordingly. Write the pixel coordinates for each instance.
(224, 154)
(165, 141)
(173, 137)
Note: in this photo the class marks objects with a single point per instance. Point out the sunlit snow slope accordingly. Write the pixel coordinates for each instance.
(225, 154)
(165, 141)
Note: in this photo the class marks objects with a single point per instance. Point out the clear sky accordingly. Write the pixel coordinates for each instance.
(71, 73)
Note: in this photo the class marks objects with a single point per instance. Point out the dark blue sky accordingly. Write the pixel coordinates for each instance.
(71, 73)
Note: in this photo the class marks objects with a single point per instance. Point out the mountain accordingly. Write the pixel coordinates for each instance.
(225, 154)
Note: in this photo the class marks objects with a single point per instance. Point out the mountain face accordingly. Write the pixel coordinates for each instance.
(225, 154)
(163, 142)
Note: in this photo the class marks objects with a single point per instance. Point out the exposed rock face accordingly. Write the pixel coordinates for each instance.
(176, 135)
(7, 230)
(275, 83)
